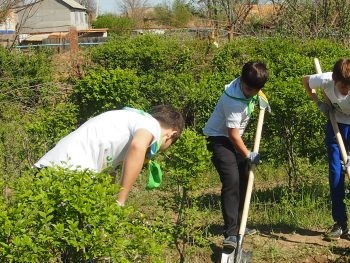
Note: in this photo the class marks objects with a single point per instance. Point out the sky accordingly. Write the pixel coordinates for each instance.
(111, 6)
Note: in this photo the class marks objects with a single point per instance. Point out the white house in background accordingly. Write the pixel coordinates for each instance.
(47, 16)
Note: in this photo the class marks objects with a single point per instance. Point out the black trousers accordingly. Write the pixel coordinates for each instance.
(233, 171)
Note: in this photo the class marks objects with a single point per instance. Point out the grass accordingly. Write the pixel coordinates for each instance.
(276, 211)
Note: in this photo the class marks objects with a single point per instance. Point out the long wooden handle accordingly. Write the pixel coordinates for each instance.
(334, 123)
(251, 174)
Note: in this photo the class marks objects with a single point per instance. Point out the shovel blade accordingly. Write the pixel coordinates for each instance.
(228, 256)
(244, 257)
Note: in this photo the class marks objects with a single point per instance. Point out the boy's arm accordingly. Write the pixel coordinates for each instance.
(236, 139)
(322, 106)
(312, 92)
(133, 162)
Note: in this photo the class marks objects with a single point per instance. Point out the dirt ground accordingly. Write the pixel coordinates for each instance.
(304, 246)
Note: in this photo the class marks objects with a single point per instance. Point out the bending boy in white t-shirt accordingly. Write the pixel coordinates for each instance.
(117, 137)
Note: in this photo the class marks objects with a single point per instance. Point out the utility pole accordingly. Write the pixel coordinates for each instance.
(97, 7)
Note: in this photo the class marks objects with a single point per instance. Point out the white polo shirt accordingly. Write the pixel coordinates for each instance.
(228, 112)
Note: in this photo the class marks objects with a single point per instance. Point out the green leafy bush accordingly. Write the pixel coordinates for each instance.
(189, 159)
(115, 24)
(107, 89)
(26, 136)
(22, 75)
(187, 162)
(145, 54)
(204, 98)
(72, 216)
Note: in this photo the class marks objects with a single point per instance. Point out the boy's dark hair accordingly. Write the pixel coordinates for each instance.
(341, 71)
(254, 74)
(169, 117)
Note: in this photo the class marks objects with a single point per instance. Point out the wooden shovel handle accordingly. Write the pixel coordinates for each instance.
(251, 174)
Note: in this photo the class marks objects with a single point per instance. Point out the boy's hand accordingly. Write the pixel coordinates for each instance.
(324, 107)
(254, 158)
(344, 167)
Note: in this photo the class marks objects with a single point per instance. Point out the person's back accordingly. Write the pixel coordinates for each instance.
(100, 142)
(124, 136)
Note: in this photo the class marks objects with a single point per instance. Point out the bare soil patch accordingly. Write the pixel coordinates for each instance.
(304, 246)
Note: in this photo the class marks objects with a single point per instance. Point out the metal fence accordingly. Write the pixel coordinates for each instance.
(63, 44)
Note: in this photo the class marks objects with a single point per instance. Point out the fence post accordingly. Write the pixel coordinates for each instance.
(73, 40)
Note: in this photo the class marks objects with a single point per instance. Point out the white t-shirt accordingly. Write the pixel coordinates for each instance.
(228, 112)
(340, 102)
(100, 142)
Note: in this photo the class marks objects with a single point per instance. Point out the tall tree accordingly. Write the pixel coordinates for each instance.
(91, 7)
(236, 12)
(133, 8)
(233, 12)
(182, 14)
(6, 6)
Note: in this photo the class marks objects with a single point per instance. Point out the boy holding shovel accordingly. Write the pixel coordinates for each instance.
(336, 87)
(231, 156)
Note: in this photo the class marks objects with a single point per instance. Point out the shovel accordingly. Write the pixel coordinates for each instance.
(239, 256)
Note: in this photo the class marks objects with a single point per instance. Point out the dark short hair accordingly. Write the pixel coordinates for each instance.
(169, 117)
(254, 74)
(341, 71)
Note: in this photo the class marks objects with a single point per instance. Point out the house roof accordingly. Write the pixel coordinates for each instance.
(73, 4)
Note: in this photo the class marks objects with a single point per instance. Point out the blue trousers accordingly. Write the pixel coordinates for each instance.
(233, 172)
(336, 176)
